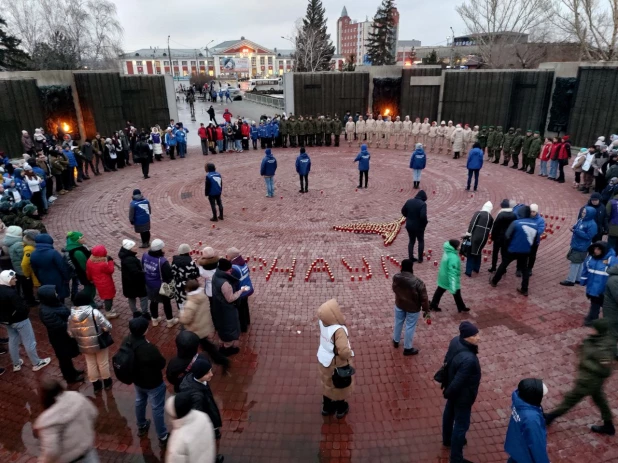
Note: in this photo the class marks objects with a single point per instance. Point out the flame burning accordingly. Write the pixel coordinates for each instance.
(66, 127)
(387, 112)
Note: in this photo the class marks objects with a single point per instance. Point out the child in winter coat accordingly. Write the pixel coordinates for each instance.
(449, 277)
(583, 232)
(363, 165)
(545, 157)
(594, 276)
(99, 270)
(418, 161)
(237, 260)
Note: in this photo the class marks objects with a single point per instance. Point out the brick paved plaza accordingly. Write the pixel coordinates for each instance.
(271, 402)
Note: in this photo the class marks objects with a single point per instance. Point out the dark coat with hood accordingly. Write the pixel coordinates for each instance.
(49, 266)
(13, 309)
(133, 279)
(187, 344)
(148, 362)
(601, 218)
(55, 317)
(224, 311)
(463, 372)
(501, 224)
(479, 228)
(415, 212)
(201, 398)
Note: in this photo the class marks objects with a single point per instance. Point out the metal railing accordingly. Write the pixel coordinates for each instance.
(267, 100)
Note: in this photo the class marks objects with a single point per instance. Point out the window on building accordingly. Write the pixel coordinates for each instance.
(253, 61)
(270, 60)
(140, 71)
(192, 63)
(184, 63)
(202, 63)
(138, 63)
(158, 71)
(262, 60)
(166, 63)
(175, 63)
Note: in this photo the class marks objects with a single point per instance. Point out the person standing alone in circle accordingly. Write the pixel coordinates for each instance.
(474, 165)
(214, 188)
(139, 216)
(363, 166)
(415, 212)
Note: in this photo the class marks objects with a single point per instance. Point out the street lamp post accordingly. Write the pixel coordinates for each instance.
(169, 52)
(452, 46)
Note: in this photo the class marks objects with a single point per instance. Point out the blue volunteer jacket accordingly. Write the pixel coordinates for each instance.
(263, 131)
(139, 212)
(526, 437)
(181, 136)
(540, 226)
(254, 131)
(170, 140)
(245, 278)
(303, 164)
(521, 235)
(594, 274)
(418, 160)
(475, 159)
(584, 230)
(363, 159)
(71, 157)
(20, 185)
(275, 129)
(269, 165)
(214, 184)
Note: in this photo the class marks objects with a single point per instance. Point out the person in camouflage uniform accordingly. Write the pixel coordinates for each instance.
(293, 131)
(283, 131)
(498, 140)
(535, 150)
(337, 128)
(595, 356)
(311, 130)
(518, 141)
(491, 141)
(482, 138)
(302, 131)
(507, 145)
(525, 149)
(328, 130)
(27, 220)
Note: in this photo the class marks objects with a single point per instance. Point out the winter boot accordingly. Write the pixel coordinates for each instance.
(107, 384)
(607, 428)
(97, 385)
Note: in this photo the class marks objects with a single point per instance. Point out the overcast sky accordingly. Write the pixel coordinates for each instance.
(194, 23)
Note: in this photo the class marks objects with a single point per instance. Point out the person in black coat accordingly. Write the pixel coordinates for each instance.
(478, 234)
(142, 155)
(55, 316)
(178, 367)
(133, 278)
(501, 224)
(415, 212)
(196, 384)
(460, 388)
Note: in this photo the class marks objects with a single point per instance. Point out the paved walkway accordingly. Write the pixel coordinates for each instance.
(271, 402)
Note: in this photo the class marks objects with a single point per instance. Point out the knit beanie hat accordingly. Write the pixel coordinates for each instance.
(157, 245)
(74, 236)
(467, 329)
(504, 204)
(208, 252)
(136, 192)
(184, 249)
(29, 209)
(6, 277)
(82, 298)
(179, 405)
(233, 253)
(200, 367)
(224, 265)
(128, 244)
(534, 208)
(14, 231)
(138, 326)
(30, 235)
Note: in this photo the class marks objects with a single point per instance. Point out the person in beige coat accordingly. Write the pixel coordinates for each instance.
(388, 131)
(370, 129)
(416, 131)
(450, 128)
(65, 429)
(334, 352)
(467, 138)
(441, 136)
(195, 314)
(193, 435)
(425, 131)
(350, 128)
(360, 130)
(433, 134)
(457, 138)
(398, 132)
(407, 132)
(379, 130)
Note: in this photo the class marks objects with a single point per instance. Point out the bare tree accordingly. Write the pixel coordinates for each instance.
(593, 24)
(91, 26)
(497, 25)
(312, 52)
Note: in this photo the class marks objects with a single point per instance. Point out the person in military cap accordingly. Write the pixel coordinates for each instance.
(498, 141)
(283, 132)
(482, 138)
(535, 150)
(311, 131)
(336, 128)
(328, 130)
(525, 149)
(293, 131)
(491, 141)
(507, 145)
(518, 141)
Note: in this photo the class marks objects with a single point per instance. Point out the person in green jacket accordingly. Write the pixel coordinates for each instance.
(498, 141)
(507, 145)
(283, 131)
(525, 149)
(449, 278)
(336, 129)
(79, 255)
(534, 151)
(518, 141)
(311, 131)
(482, 138)
(328, 131)
(491, 141)
(595, 355)
(301, 125)
(293, 132)
(319, 131)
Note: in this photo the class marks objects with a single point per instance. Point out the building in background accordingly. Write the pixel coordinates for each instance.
(406, 51)
(238, 58)
(353, 36)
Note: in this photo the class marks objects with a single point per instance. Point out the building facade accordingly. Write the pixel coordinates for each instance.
(234, 58)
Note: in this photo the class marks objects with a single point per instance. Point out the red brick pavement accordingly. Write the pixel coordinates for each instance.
(271, 402)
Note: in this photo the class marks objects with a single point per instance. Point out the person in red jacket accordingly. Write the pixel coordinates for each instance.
(563, 157)
(99, 270)
(220, 136)
(211, 132)
(245, 130)
(203, 134)
(227, 115)
(553, 163)
(544, 157)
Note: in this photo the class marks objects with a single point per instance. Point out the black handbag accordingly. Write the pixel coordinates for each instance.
(104, 337)
(342, 376)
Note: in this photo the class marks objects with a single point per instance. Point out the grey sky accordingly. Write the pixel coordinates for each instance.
(194, 23)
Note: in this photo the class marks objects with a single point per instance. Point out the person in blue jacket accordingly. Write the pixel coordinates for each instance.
(275, 132)
(363, 165)
(181, 140)
(241, 269)
(263, 133)
(267, 170)
(214, 188)
(268, 133)
(540, 228)
(474, 165)
(303, 167)
(583, 231)
(139, 216)
(520, 237)
(418, 161)
(68, 175)
(526, 436)
(594, 276)
(170, 142)
(255, 134)
(20, 184)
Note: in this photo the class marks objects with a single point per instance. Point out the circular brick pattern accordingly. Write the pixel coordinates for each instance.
(271, 402)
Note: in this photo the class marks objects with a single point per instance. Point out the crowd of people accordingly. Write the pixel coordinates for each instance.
(75, 287)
